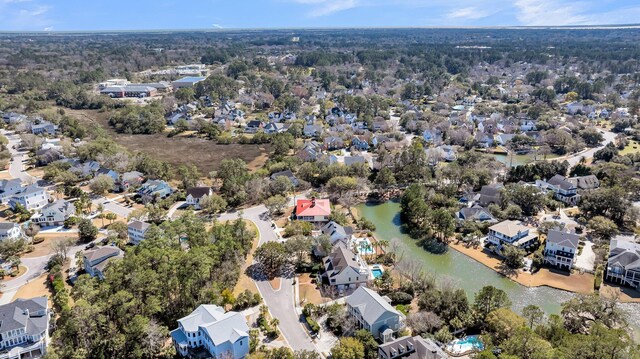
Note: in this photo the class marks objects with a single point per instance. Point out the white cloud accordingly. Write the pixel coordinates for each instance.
(552, 12)
(328, 7)
(469, 13)
(24, 15)
(217, 26)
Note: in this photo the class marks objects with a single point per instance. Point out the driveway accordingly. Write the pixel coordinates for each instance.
(112, 206)
(280, 301)
(587, 259)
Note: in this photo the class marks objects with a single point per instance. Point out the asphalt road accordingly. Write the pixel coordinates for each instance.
(575, 159)
(280, 301)
(16, 166)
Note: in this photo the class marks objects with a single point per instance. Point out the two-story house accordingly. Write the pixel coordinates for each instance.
(560, 248)
(31, 198)
(128, 180)
(10, 231)
(8, 188)
(24, 328)
(344, 269)
(411, 348)
(476, 213)
(563, 190)
(511, 233)
(137, 231)
(312, 210)
(195, 194)
(96, 260)
(44, 127)
(623, 265)
(54, 214)
(210, 332)
(374, 314)
(153, 189)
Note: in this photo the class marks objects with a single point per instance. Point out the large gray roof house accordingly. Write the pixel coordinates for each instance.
(24, 328)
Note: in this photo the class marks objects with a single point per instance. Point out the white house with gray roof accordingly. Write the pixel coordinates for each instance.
(10, 231)
(411, 348)
(137, 231)
(623, 265)
(31, 198)
(8, 188)
(375, 314)
(24, 328)
(344, 269)
(560, 248)
(96, 260)
(511, 233)
(55, 213)
(563, 189)
(210, 332)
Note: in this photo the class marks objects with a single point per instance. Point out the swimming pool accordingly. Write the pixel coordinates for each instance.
(465, 345)
(365, 247)
(377, 272)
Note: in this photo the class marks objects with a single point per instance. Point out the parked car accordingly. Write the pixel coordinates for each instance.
(90, 245)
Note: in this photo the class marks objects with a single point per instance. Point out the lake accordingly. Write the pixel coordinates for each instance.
(467, 273)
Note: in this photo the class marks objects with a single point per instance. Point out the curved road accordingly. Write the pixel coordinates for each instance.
(588, 154)
(281, 302)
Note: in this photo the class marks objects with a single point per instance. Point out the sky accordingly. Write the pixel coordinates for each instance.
(87, 15)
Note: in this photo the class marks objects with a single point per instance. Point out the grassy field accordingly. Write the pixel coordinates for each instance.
(632, 147)
(203, 153)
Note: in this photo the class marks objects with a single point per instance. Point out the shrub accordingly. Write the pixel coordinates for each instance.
(400, 297)
(597, 282)
(38, 240)
(313, 325)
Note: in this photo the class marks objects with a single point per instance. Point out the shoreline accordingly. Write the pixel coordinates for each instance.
(545, 277)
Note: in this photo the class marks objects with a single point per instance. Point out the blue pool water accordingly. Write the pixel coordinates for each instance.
(377, 273)
(465, 345)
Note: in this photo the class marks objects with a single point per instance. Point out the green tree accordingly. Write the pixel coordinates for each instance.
(272, 256)
(275, 204)
(488, 299)
(533, 315)
(101, 184)
(87, 232)
(185, 94)
(348, 348)
(212, 204)
(602, 228)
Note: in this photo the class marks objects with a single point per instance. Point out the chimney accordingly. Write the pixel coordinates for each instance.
(313, 201)
(26, 312)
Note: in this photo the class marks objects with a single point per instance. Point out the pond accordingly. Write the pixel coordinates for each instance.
(516, 160)
(464, 271)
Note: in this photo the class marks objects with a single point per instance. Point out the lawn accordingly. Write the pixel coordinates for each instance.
(205, 154)
(632, 147)
(244, 282)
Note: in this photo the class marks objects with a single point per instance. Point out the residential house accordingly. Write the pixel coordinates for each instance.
(128, 180)
(447, 153)
(274, 127)
(561, 248)
(44, 127)
(312, 130)
(312, 210)
(10, 231)
(381, 125)
(11, 118)
(359, 143)
(54, 214)
(563, 190)
(511, 233)
(504, 138)
(210, 332)
(310, 152)
(333, 143)
(253, 126)
(153, 189)
(24, 328)
(31, 198)
(336, 232)
(476, 213)
(195, 194)
(490, 194)
(96, 260)
(286, 173)
(108, 172)
(8, 188)
(344, 269)
(82, 169)
(375, 314)
(623, 265)
(47, 156)
(431, 136)
(585, 183)
(137, 231)
(411, 348)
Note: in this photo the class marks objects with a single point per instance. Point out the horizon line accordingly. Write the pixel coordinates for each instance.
(214, 29)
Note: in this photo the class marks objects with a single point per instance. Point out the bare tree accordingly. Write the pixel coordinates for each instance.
(61, 248)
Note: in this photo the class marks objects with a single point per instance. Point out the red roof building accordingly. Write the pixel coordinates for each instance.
(313, 210)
